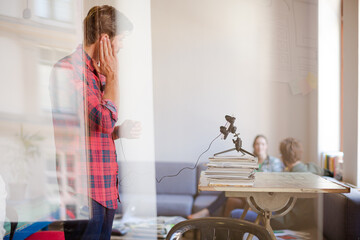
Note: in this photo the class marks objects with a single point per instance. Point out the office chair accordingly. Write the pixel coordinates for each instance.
(218, 228)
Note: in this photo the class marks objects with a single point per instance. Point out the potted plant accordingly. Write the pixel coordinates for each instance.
(27, 151)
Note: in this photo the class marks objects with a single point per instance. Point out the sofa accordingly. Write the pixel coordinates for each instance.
(341, 215)
(178, 196)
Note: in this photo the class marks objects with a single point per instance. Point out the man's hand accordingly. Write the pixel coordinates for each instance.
(108, 68)
(108, 59)
(128, 129)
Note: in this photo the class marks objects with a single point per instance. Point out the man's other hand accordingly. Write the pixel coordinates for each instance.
(128, 129)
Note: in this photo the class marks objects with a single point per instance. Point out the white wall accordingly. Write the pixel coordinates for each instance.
(351, 91)
(249, 59)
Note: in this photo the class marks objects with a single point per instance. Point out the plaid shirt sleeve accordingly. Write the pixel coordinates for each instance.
(103, 113)
(99, 116)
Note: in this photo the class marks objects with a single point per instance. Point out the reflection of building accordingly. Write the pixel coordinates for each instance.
(67, 103)
(30, 47)
(68, 182)
(58, 11)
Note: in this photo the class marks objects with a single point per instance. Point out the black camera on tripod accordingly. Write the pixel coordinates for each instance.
(237, 141)
(230, 129)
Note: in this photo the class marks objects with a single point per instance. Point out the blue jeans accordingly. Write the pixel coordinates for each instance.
(98, 227)
(250, 216)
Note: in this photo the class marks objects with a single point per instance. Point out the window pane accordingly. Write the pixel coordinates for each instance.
(44, 72)
(63, 10)
(66, 100)
(42, 8)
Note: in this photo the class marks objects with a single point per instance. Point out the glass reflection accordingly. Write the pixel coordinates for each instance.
(44, 118)
(35, 175)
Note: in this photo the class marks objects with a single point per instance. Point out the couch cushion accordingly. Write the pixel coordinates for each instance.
(174, 205)
(353, 214)
(334, 216)
(203, 201)
(342, 214)
(184, 183)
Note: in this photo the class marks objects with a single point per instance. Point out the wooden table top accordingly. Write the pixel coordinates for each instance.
(285, 182)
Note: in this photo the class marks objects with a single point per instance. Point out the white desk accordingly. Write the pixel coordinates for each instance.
(274, 194)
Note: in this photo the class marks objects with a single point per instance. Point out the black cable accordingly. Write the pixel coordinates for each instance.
(122, 149)
(190, 168)
(123, 152)
(175, 175)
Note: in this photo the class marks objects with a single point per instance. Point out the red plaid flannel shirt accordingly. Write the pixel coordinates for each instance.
(100, 119)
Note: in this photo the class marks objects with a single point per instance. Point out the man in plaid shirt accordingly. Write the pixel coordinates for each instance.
(92, 73)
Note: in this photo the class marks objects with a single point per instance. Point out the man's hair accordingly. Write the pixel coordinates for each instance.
(104, 19)
(291, 150)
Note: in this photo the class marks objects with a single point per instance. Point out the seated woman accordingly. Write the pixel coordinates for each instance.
(302, 215)
(266, 162)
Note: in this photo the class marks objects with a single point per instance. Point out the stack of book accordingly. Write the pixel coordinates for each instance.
(231, 170)
(333, 161)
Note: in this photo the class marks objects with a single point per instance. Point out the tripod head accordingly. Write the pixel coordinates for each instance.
(237, 140)
(231, 129)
